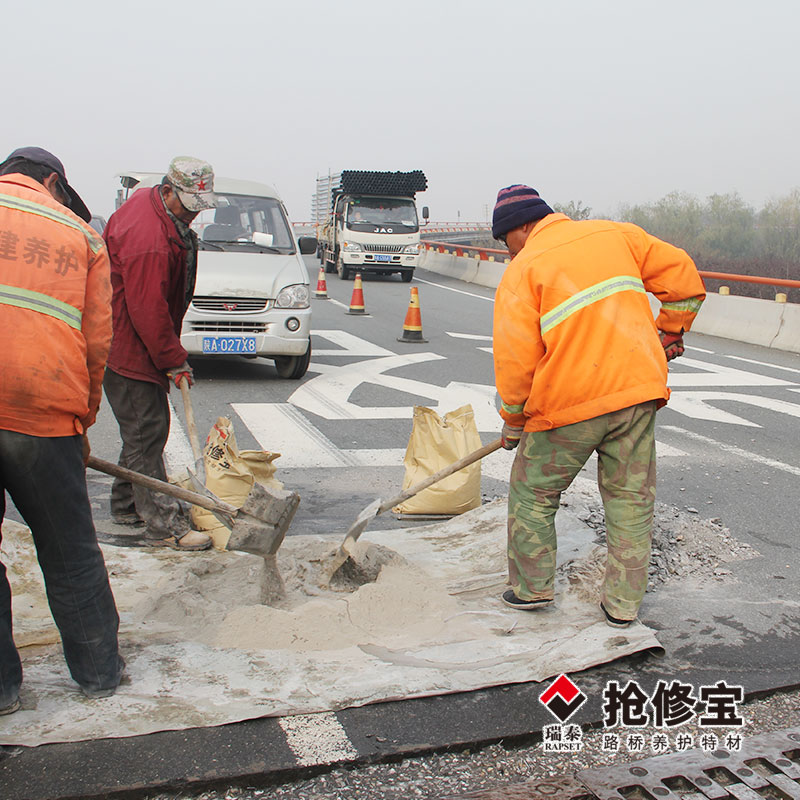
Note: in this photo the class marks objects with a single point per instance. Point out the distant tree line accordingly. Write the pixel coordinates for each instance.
(724, 234)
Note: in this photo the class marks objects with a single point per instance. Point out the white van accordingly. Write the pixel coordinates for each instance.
(252, 296)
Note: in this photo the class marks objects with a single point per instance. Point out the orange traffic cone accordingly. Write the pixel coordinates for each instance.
(322, 286)
(357, 300)
(412, 327)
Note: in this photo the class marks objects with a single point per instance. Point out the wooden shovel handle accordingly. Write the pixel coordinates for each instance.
(191, 425)
(161, 486)
(471, 458)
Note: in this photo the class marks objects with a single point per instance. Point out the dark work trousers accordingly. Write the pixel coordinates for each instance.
(46, 479)
(142, 411)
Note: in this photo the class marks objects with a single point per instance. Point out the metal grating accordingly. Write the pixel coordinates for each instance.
(231, 304)
(225, 326)
(383, 248)
(768, 766)
(565, 788)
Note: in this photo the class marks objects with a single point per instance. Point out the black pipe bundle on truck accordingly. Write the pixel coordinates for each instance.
(367, 222)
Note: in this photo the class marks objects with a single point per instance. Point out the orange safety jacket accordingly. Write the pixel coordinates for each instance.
(574, 335)
(55, 313)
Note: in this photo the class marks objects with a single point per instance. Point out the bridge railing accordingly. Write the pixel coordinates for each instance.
(493, 254)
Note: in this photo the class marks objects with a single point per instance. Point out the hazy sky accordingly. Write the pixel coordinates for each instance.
(603, 102)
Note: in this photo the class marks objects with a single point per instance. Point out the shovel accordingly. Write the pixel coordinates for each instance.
(191, 427)
(379, 506)
(258, 527)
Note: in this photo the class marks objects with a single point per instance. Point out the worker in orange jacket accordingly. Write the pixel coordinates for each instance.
(55, 322)
(581, 366)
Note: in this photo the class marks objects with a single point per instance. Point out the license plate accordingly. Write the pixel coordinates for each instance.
(229, 344)
(383, 258)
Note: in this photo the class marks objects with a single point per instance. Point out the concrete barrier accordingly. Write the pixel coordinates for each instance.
(744, 319)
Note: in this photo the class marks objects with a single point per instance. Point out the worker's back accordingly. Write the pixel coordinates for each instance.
(572, 308)
(55, 313)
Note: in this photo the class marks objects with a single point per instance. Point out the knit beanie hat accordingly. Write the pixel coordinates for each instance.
(515, 206)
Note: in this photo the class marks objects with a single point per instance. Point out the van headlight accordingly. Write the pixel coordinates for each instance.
(412, 249)
(295, 296)
(351, 247)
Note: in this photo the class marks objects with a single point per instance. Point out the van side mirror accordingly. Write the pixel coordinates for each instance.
(307, 245)
(425, 214)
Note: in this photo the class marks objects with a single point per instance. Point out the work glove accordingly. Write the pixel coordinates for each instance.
(183, 371)
(510, 436)
(672, 344)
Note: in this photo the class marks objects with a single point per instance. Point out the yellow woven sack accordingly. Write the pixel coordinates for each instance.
(435, 443)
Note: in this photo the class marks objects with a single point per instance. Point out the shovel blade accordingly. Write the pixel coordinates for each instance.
(261, 523)
(351, 537)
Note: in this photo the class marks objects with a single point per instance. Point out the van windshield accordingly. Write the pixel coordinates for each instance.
(368, 213)
(238, 217)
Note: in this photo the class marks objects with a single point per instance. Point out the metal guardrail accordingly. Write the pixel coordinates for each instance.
(728, 276)
(482, 253)
(491, 254)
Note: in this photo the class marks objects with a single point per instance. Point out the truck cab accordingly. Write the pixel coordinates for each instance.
(375, 234)
(372, 224)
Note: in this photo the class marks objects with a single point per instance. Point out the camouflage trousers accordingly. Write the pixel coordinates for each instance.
(546, 464)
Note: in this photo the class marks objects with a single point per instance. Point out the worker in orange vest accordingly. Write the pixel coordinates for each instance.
(55, 321)
(581, 367)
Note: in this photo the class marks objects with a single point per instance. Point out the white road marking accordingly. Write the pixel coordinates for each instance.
(694, 404)
(478, 337)
(668, 451)
(716, 375)
(281, 428)
(489, 350)
(700, 350)
(177, 452)
(737, 451)
(457, 291)
(328, 395)
(349, 345)
(765, 364)
(337, 303)
(317, 738)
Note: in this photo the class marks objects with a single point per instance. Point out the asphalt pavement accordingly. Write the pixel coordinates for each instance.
(742, 631)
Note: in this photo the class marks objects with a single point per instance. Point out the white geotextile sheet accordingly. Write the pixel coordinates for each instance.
(201, 650)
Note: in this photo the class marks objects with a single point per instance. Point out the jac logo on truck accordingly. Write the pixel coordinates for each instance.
(383, 230)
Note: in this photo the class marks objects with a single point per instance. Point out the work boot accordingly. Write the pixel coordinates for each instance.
(191, 540)
(512, 601)
(616, 622)
(10, 708)
(127, 518)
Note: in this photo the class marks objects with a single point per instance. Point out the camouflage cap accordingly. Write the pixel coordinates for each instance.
(193, 180)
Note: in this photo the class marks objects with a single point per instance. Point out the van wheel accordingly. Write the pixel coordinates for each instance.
(406, 275)
(293, 367)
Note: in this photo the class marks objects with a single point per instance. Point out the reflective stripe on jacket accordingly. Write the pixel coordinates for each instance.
(574, 336)
(55, 313)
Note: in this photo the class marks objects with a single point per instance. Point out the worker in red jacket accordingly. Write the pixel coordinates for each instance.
(153, 255)
(581, 367)
(55, 324)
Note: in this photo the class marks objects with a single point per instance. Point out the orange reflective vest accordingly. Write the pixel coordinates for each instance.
(55, 313)
(574, 336)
